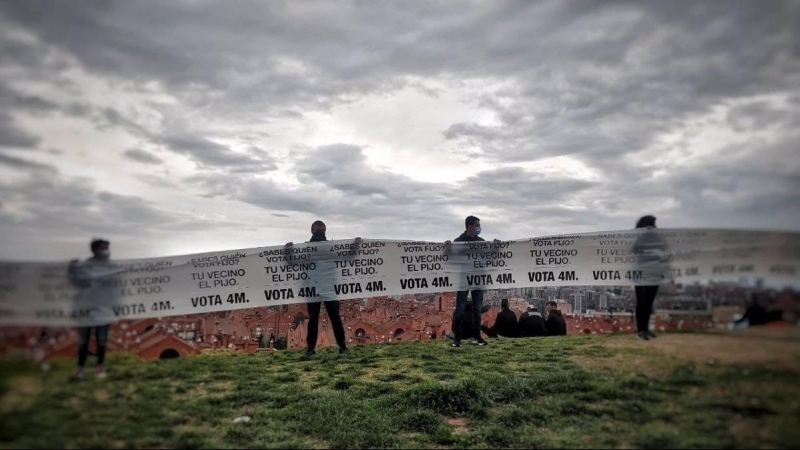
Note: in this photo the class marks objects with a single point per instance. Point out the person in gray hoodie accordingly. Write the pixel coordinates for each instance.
(94, 279)
(651, 259)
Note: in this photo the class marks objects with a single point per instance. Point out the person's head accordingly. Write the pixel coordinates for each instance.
(473, 225)
(100, 248)
(531, 308)
(646, 222)
(504, 303)
(318, 230)
(551, 306)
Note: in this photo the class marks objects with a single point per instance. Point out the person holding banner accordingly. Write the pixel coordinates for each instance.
(651, 257)
(95, 294)
(318, 230)
(470, 234)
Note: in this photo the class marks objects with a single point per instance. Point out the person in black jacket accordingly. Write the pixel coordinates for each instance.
(473, 229)
(555, 325)
(754, 316)
(531, 323)
(505, 325)
(332, 306)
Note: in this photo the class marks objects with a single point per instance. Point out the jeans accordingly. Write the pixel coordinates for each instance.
(645, 296)
(461, 304)
(313, 323)
(101, 334)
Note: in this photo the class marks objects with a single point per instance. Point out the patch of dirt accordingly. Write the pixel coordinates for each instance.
(21, 394)
(746, 430)
(780, 346)
(192, 427)
(101, 396)
(629, 359)
(217, 389)
(459, 424)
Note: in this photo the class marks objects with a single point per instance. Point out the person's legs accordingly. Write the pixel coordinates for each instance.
(477, 304)
(336, 323)
(641, 309)
(83, 347)
(652, 292)
(313, 325)
(489, 331)
(101, 333)
(461, 304)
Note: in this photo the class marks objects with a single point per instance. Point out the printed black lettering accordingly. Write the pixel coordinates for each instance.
(539, 277)
(279, 294)
(347, 288)
(606, 275)
(413, 283)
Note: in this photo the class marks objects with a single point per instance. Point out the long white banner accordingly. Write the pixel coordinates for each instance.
(91, 292)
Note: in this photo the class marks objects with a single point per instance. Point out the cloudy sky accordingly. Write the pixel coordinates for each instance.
(181, 127)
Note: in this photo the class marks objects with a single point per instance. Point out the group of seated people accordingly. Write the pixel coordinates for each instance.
(530, 323)
(760, 312)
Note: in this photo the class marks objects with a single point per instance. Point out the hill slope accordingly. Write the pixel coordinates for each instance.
(684, 390)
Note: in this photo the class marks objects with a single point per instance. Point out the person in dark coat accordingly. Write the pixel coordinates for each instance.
(754, 316)
(505, 325)
(555, 325)
(318, 230)
(467, 324)
(531, 323)
(471, 233)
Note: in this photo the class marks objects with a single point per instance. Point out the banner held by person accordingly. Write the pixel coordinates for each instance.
(43, 294)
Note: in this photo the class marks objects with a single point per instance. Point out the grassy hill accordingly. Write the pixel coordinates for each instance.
(680, 390)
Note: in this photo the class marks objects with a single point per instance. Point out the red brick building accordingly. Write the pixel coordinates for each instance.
(372, 320)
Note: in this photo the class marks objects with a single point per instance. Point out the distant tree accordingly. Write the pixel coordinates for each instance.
(280, 343)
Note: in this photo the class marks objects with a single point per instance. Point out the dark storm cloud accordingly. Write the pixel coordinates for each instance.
(54, 214)
(598, 82)
(13, 136)
(210, 154)
(17, 101)
(24, 164)
(142, 156)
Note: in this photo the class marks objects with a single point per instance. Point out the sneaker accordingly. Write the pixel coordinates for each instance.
(456, 343)
(343, 350)
(101, 373)
(642, 336)
(480, 342)
(651, 335)
(79, 374)
(310, 352)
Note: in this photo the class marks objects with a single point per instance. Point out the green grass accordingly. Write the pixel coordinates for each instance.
(553, 392)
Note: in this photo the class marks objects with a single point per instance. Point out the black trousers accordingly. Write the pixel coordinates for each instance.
(313, 323)
(645, 296)
(461, 305)
(101, 333)
(489, 331)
